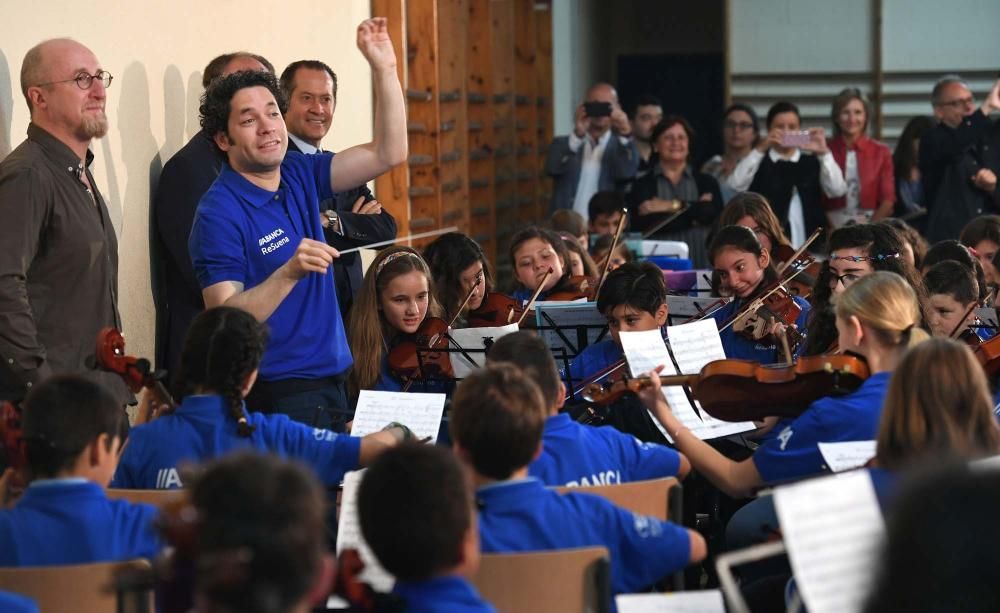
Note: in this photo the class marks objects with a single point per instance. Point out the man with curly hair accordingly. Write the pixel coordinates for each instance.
(257, 241)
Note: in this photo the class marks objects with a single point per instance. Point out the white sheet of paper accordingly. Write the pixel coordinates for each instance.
(697, 601)
(696, 344)
(349, 535)
(645, 351)
(474, 341)
(421, 413)
(833, 530)
(847, 455)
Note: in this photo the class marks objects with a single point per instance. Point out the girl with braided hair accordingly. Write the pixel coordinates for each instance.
(219, 365)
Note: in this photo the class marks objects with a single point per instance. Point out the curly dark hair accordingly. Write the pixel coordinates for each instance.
(215, 102)
(223, 346)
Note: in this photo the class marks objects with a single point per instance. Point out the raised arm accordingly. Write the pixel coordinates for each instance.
(389, 147)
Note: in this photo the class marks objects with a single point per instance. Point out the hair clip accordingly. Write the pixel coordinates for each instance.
(865, 258)
(391, 257)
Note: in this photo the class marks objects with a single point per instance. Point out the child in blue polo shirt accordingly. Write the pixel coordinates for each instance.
(633, 299)
(416, 514)
(396, 296)
(219, 365)
(72, 436)
(574, 454)
(743, 268)
(533, 252)
(497, 419)
(952, 297)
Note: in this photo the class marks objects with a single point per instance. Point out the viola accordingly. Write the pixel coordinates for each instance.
(496, 310)
(415, 357)
(137, 373)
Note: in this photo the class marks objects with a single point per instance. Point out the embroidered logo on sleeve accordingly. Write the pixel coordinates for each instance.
(647, 527)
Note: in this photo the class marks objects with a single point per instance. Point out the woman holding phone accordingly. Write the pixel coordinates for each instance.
(793, 169)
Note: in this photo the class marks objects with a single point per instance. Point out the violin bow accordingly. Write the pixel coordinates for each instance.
(666, 222)
(534, 297)
(795, 256)
(614, 245)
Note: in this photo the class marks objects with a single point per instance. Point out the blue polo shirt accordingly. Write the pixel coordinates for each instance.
(72, 521)
(593, 359)
(523, 515)
(244, 233)
(201, 428)
(738, 347)
(575, 455)
(794, 453)
(15, 603)
(451, 593)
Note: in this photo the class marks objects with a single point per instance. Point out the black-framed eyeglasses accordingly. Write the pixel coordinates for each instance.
(737, 125)
(84, 80)
(847, 279)
(959, 103)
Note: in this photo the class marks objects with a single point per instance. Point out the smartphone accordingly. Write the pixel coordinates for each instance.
(597, 109)
(795, 139)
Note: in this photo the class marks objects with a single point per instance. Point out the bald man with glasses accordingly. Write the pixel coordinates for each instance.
(958, 165)
(59, 254)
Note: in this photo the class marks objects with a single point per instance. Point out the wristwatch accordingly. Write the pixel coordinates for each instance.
(334, 220)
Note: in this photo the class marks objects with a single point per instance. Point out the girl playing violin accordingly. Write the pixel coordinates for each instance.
(876, 318)
(458, 265)
(578, 261)
(743, 269)
(952, 298)
(219, 365)
(854, 252)
(395, 297)
(533, 252)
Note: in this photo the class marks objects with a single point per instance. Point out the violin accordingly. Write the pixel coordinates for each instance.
(988, 355)
(415, 358)
(495, 311)
(777, 306)
(802, 284)
(577, 287)
(744, 390)
(137, 373)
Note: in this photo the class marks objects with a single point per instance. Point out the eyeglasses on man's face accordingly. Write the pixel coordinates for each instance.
(84, 80)
(737, 125)
(959, 103)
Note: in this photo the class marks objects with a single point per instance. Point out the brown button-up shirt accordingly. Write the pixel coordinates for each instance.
(58, 266)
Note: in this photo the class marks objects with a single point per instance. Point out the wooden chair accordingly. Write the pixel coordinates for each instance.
(659, 498)
(157, 498)
(546, 581)
(81, 588)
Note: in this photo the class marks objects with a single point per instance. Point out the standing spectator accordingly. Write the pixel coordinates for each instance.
(589, 159)
(791, 182)
(909, 188)
(648, 112)
(740, 133)
(672, 184)
(957, 166)
(866, 164)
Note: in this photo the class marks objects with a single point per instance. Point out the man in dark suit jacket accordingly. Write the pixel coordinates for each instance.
(184, 180)
(353, 218)
(600, 154)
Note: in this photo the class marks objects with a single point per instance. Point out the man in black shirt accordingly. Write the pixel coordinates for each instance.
(59, 255)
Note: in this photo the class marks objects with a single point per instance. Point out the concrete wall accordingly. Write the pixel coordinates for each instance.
(156, 51)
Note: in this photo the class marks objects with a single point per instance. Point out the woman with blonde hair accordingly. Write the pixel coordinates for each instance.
(938, 408)
(395, 297)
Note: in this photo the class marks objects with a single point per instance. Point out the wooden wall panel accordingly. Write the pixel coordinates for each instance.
(481, 141)
(504, 158)
(526, 113)
(392, 188)
(543, 92)
(452, 131)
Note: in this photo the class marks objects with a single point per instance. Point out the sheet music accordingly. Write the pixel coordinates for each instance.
(833, 530)
(696, 344)
(569, 317)
(675, 248)
(349, 535)
(474, 341)
(419, 412)
(644, 351)
(988, 315)
(847, 455)
(696, 601)
(682, 308)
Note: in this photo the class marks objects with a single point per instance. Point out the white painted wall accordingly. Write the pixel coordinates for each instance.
(156, 51)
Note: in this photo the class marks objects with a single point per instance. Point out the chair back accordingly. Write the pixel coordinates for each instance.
(157, 498)
(81, 588)
(651, 498)
(546, 581)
